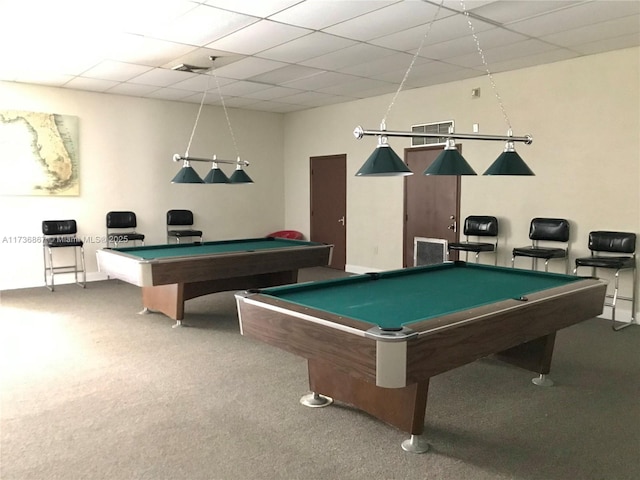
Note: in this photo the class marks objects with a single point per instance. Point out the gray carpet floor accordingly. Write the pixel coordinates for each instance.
(92, 390)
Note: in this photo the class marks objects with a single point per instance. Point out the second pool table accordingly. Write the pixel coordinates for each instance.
(172, 274)
(373, 341)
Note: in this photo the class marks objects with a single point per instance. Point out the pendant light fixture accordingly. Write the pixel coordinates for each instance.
(385, 162)
(187, 173)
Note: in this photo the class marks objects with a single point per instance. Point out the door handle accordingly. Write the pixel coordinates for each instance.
(454, 225)
(341, 220)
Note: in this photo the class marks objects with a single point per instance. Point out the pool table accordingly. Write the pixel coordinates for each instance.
(373, 341)
(172, 274)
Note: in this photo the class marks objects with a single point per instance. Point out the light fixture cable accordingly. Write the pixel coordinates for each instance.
(195, 125)
(413, 61)
(494, 87)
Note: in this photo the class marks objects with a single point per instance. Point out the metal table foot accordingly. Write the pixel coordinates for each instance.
(542, 381)
(315, 400)
(415, 444)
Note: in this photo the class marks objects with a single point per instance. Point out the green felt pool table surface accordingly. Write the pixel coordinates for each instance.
(398, 298)
(157, 252)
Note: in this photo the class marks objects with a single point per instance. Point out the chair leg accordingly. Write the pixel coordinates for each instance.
(615, 299)
(84, 271)
(48, 267)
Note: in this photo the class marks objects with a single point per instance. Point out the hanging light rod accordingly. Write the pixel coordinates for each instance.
(359, 132)
(178, 158)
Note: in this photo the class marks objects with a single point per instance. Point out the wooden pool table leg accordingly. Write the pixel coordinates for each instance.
(534, 356)
(168, 299)
(403, 408)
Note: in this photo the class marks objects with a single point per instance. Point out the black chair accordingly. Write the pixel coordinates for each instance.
(479, 226)
(606, 249)
(62, 234)
(184, 220)
(121, 228)
(552, 230)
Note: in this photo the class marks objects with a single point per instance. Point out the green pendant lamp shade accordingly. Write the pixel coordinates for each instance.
(187, 175)
(450, 162)
(509, 163)
(240, 176)
(383, 162)
(216, 175)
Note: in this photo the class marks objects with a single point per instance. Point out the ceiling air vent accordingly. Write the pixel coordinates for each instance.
(441, 127)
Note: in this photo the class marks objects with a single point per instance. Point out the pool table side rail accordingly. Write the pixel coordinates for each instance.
(189, 269)
(316, 337)
(492, 329)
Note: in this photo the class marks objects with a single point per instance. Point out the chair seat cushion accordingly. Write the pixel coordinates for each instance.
(184, 233)
(132, 236)
(55, 242)
(472, 247)
(539, 252)
(126, 237)
(606, 262)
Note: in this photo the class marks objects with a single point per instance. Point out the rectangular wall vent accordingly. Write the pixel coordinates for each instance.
(440, 127)
(429, 251)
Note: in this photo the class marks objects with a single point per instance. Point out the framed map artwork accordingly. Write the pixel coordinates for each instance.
(38, 154)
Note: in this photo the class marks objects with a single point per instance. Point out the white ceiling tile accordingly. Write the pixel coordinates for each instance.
(304, 48)
(466, 44)
(385, 21)
(398, 61)
(257, 37)
(503, 53)
(512, 11)
(319, 14)
(169, 94)
(322, 80)
(307, 98)
(272, 93)
(261, 8)
(344, 48)
(347, 57)
(129, 48)
(451, 27)
(118, 71)
(576, 16)
(200, 83)
(599, 31)
(615, 43)
(286, 74)
(90, 84)
(248, 67)
(240, 88)
(354, 87)
(202, 25)
(133, 90)
(161, 77)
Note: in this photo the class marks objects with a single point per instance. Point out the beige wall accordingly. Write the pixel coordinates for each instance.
(126, 149)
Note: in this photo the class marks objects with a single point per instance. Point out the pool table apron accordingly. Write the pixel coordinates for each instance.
(343, 365)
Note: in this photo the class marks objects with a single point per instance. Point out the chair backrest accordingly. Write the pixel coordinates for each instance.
(481, 226)
(59, 227)
(615, 242)
(179, 217)
(121, 220)
(549, 229)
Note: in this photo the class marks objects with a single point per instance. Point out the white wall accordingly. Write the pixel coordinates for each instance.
(584, 115)
(126, 149)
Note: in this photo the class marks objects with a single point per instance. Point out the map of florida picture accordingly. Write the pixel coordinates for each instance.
(40, 152)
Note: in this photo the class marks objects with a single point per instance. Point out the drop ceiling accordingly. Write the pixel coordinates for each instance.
(288, 55)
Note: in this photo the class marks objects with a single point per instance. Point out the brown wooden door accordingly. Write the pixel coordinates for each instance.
(431, 203)
(329, 205)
